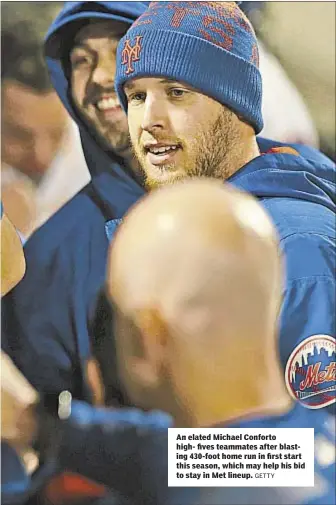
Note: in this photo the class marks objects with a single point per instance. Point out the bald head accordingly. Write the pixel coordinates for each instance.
(195, 274)
(201, 254)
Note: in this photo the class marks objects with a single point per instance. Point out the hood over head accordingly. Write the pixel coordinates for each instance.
(110, 179)
(62, 32)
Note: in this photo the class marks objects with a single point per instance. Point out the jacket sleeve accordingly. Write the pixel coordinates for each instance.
(117, 448)
(308, 307)
(308, 310)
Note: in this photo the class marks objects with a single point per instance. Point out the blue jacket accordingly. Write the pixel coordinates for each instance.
(299, 193)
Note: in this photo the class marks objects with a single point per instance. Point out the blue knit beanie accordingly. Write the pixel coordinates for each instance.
(209, 45)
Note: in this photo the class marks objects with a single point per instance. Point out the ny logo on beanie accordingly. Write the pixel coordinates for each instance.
(131, 53)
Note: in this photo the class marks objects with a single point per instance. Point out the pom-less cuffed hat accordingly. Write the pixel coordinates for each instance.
(209, 45)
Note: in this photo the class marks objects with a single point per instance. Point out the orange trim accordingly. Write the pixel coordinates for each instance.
(70, 486)
(283, 150)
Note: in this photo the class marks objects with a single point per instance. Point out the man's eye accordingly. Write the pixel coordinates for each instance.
(136, 97)
(80, 61)
(177, 92)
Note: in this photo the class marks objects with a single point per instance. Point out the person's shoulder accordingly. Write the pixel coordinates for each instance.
(294, 216)
(309, 256)
(79, 218)
(305, 152)
(313, 155)
(307, 236)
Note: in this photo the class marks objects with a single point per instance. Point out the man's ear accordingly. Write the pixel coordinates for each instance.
(153, 337)
(95, 381)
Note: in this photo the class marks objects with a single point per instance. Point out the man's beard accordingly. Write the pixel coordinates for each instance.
(112, 138)
(115, 140)
(213, 152)
(216, 147)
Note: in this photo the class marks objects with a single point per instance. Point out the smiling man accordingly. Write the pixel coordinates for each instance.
(193, 96)
(92, 63)
(201, 137)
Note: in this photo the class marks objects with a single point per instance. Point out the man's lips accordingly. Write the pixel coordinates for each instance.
(108, 108)
(107, 102)
(161, 153)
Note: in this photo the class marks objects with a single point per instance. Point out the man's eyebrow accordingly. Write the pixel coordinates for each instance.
(81, 45)
(176, 83)
(129, 85)
(168, 81)
(132, 84)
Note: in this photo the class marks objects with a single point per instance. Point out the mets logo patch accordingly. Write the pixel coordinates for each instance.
(130, 53)
(310, 372)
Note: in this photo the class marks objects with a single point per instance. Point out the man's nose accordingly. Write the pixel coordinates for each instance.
(155, 114)
(103, 74)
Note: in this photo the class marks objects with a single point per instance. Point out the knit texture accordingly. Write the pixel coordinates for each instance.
(209, 45)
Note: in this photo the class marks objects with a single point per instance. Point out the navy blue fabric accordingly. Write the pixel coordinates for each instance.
(135, 462)
(14, 479)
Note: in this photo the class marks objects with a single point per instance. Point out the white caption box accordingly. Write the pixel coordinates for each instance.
(223, 457)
